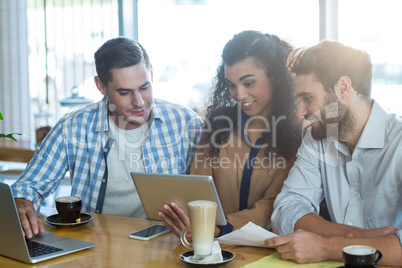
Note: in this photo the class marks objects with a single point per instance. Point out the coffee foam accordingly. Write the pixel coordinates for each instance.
(202, 203)
(68, 199)
(359, 250)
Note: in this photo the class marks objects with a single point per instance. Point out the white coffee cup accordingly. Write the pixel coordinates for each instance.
(202, 215)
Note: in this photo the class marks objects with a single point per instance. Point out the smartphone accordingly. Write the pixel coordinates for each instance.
(150, 232)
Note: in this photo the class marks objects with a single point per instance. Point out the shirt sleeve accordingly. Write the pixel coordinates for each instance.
(302, 190)
(44, 171)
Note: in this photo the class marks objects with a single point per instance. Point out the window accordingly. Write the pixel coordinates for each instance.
(62, 39)
(376, 27)
(184, 39)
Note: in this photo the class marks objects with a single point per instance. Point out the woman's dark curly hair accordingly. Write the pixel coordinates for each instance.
(270, 53)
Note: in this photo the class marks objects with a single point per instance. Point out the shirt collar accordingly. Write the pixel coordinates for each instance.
(103, 124)
(373, 135)
(156, 112)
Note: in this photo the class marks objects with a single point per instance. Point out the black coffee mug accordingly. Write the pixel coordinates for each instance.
(69, 208)
(361, 256)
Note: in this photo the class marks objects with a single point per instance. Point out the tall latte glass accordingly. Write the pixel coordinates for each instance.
(202, 215)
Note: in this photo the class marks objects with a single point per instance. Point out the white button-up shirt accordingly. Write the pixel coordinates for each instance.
(362, 189)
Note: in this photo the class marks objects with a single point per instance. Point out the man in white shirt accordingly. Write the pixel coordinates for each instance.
(351, 155)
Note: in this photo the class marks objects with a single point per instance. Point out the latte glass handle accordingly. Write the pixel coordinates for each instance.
(183, 238)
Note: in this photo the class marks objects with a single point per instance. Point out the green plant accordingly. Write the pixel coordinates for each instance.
(8, 136)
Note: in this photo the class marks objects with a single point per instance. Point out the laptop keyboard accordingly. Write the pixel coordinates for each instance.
(37, 249)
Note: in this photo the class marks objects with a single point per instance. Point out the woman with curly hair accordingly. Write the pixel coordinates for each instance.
(251, 132)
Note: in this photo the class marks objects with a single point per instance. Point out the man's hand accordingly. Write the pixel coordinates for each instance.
(300, 247)
(31, 224)
(380, 231)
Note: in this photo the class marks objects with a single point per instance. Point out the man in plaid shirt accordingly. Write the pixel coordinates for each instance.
(102, 143)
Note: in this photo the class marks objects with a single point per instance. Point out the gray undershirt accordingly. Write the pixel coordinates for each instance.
(125, 156)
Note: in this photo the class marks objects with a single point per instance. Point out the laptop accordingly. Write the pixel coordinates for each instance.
(42, 246)
(156, 189)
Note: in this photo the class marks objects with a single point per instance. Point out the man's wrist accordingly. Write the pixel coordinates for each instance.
(22, 202)
(332, 248)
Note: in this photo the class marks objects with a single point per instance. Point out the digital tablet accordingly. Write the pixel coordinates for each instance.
(156, 189)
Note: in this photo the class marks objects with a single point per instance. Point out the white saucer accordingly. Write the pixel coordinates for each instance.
(226, 255)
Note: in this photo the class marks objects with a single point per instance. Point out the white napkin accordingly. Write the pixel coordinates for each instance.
(215, 257)
(248, 235)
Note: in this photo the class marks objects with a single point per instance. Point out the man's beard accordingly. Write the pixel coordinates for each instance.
(336, 120)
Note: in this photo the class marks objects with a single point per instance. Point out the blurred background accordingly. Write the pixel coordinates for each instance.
(47, 46)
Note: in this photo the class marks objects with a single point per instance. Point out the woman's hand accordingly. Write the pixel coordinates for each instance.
(175, 218)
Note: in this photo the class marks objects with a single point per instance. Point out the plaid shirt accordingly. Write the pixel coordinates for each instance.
(79, 143)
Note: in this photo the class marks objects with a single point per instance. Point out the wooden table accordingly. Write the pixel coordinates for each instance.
(115, 249)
